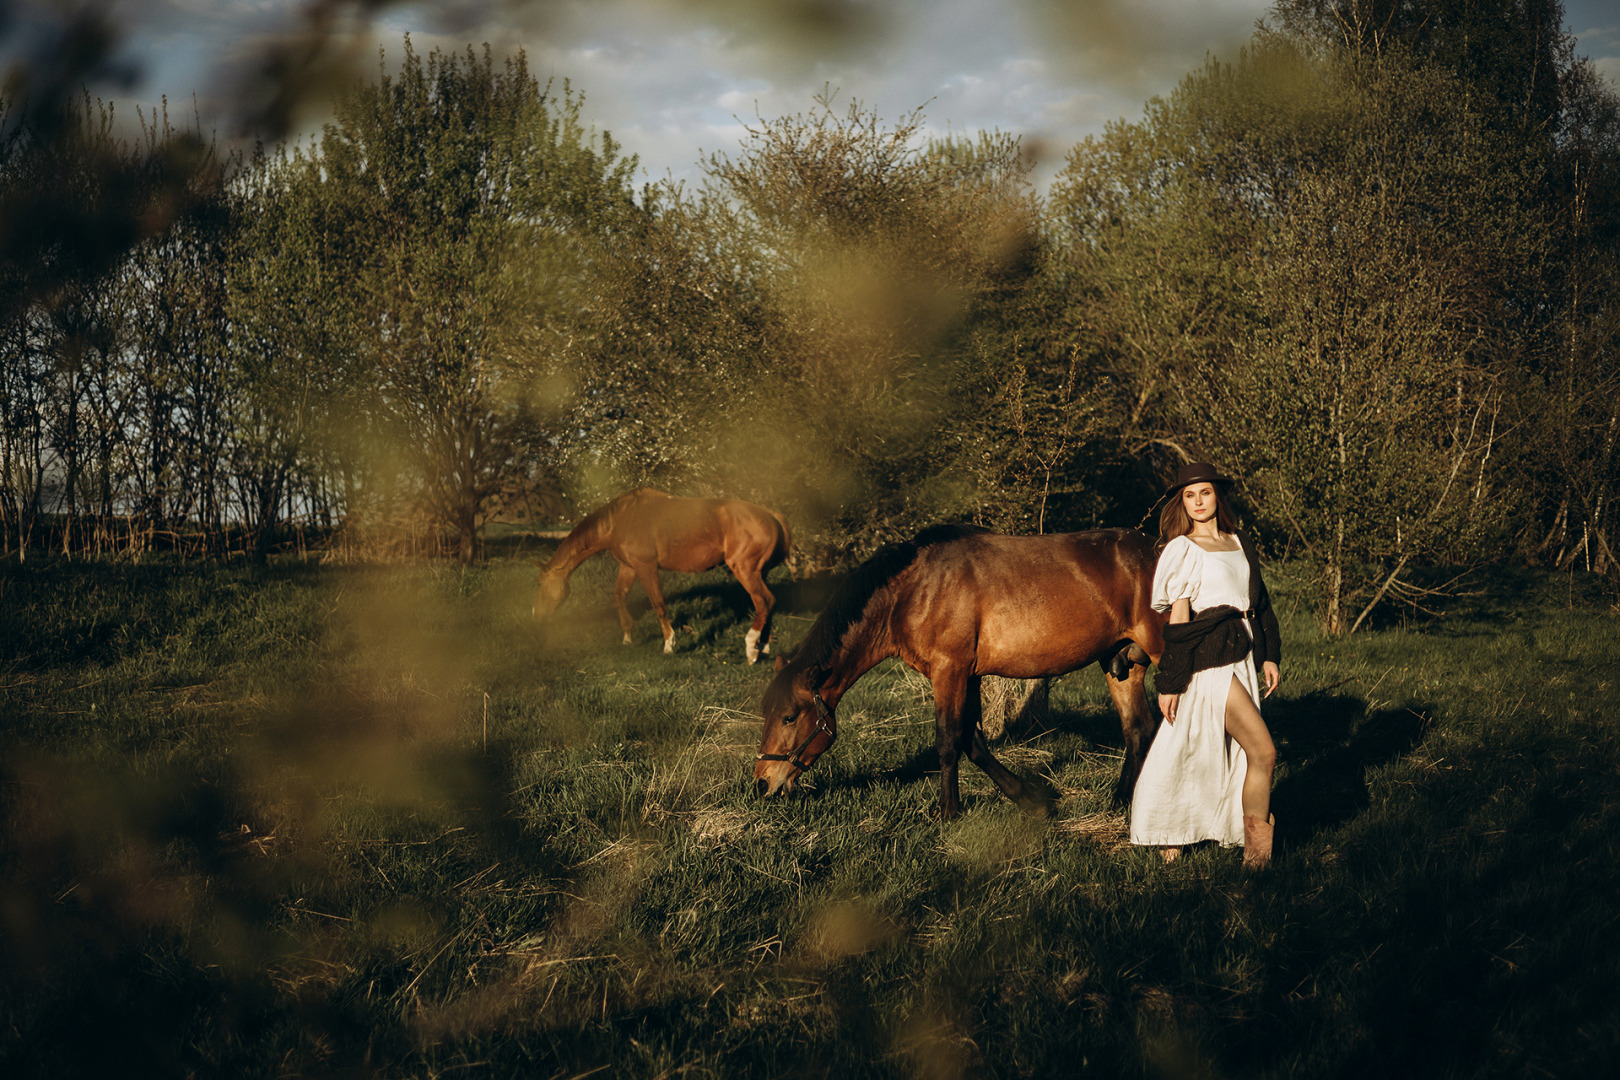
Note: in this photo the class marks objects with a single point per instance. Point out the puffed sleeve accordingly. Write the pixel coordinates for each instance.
(1177, 575)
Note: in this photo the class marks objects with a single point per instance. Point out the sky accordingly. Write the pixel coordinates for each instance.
(673, 80)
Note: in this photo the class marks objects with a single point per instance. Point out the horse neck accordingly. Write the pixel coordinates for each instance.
(865, 645)
(586, 539)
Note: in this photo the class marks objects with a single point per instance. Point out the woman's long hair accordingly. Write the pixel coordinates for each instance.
(1174, 521)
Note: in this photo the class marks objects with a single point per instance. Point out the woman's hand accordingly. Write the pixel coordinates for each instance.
(1271, 676)
(1167, 706)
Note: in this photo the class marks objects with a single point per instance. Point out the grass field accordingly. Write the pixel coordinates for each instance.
(305, 821)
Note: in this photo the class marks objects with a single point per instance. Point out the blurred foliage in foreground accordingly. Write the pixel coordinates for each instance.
(1369, 267)
(360, 821)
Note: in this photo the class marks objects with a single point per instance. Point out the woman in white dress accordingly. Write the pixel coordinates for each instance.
(1207, 775)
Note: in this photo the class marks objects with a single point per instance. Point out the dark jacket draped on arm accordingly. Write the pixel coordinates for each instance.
(1216, 636)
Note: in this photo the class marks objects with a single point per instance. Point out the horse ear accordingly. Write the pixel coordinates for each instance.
(779, 663)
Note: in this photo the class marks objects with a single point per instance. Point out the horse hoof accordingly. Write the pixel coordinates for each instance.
(669, 646)
(627, 640)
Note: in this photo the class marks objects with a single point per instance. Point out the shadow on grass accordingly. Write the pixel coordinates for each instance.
(705, 608)
(1329, 741)
(1098, 725)
(1460, 602)
(804, 598)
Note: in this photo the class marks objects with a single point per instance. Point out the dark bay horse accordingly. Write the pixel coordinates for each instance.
(957, 603)
(648, 531)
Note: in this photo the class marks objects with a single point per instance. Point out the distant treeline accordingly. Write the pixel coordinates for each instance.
(1370, 267)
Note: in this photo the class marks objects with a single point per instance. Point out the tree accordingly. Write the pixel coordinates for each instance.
(1305, 265)
(86, 211)
(445, 210)
(794, 331)
(1523, 83)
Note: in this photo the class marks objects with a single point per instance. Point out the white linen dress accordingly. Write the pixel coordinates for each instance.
(1191, 786)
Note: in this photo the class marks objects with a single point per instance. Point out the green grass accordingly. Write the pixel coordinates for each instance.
(308, 821)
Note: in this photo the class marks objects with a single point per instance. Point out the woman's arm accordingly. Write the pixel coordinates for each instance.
(1180, 612)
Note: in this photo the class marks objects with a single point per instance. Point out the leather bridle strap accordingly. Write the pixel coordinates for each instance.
(822, 726)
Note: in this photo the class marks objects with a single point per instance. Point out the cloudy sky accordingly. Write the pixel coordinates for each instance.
(673, 79)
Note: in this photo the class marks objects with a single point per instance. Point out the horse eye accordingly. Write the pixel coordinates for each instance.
(789, 718)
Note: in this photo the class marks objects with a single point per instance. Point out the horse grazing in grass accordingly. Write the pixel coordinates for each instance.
(957, 603)
(648, 531)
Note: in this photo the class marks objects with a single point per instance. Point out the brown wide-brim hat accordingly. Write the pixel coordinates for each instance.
(1196, 472)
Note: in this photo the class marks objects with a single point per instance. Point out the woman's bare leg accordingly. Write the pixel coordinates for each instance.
(1243, 723)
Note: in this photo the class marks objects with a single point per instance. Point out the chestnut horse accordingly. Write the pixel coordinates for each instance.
(648, 531)
(957, 603)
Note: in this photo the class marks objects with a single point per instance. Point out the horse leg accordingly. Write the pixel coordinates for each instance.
(1136, 723)
(979, 752)
(950, 697)
(621, 589)
(758, 639)
(648, 576)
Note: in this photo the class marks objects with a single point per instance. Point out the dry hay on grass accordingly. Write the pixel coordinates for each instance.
(722, 758)
(1023, 756)
(693, 788)
(890, 727)
(717, 826)
(1108, 829)
(914, 689)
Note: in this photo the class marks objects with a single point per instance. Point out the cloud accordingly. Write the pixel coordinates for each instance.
(1029, 67)
(1609, 68)
(1598, 37)
(672, 79)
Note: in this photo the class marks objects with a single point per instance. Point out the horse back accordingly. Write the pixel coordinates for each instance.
(693, 535)
(1024, 606)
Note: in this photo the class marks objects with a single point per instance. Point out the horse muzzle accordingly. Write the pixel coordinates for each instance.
(772, 778)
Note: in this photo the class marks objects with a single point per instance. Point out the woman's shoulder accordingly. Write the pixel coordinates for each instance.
(1178, 547)
(1181, 552)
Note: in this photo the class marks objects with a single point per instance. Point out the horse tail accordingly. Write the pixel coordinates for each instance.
(784, 539)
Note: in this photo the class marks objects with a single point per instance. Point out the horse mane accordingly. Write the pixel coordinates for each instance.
(590, 526)
(849, 601)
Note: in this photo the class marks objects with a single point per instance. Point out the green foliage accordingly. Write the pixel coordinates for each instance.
(1319, 267)
(1370, 267)
(270, 820)
(106, 275)
(793, 331)
(1516, 51)
(435, 231)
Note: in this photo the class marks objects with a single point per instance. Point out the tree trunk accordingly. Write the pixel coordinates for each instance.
(1333, 620)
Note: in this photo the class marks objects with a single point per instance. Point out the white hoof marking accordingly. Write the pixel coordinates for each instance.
(669, 645)
(751, 645)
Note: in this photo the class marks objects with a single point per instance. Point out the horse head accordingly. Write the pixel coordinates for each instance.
(550, 591)
(799, 728)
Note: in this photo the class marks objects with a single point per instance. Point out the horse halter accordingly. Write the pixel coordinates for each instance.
(822, 726)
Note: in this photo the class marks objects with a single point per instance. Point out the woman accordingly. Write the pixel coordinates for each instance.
(1208, 773)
